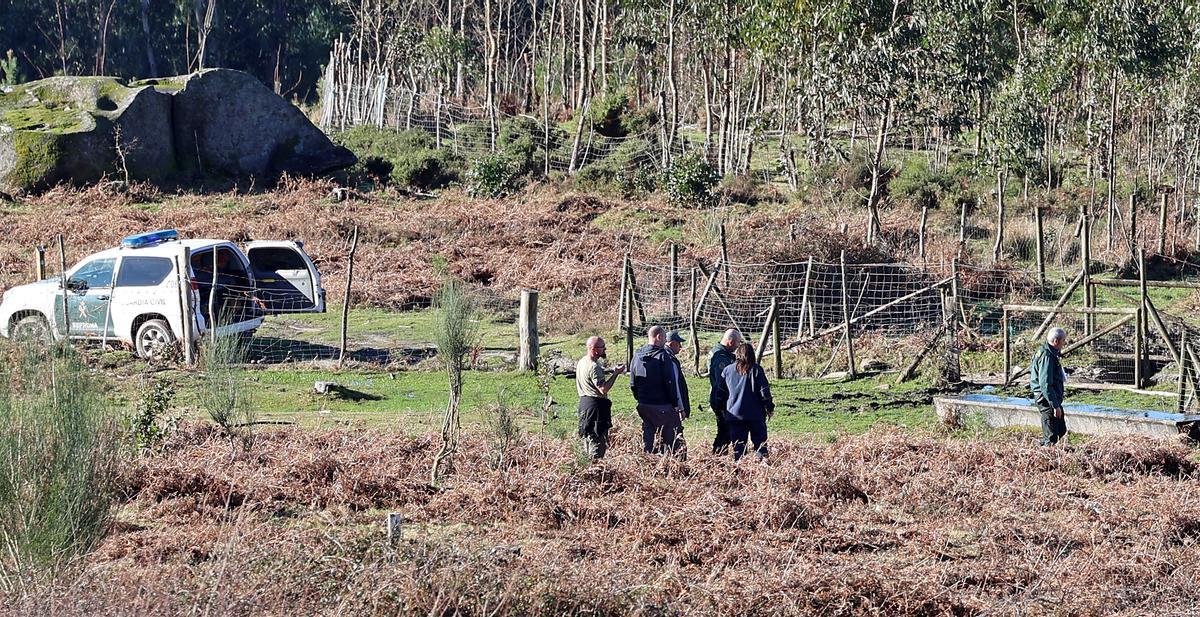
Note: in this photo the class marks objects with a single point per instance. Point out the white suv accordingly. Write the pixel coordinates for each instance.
(132, 293)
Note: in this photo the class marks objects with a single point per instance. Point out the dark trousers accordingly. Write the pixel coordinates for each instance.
(662, 429)
(721, 441)
(595, 420)
(756, 430)
(1053, 429)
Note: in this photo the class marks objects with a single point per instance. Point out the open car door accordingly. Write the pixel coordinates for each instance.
(287, 280)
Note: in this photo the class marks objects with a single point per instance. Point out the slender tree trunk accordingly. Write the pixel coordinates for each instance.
(279, 41)
(604, 36)
(874, 225)
(672, 89)
(996, 247)
(151, 63)
(490, 71)
(1112, 162)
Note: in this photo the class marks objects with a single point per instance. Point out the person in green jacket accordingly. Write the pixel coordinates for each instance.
(1047, 381)
(722, 356)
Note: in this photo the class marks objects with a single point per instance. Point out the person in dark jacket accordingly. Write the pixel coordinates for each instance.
(652, 377)
(748, 405)
(682, 400)
(1047, 382)
(722, 356)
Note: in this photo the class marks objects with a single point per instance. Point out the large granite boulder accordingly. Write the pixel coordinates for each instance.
(238, 126)
(80, 129)
(215, 122)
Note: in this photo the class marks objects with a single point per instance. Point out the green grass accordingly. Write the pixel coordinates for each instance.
(377, 327)
(414, 401)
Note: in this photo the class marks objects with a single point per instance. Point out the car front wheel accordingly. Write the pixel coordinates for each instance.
(32, 329)
(154, 339)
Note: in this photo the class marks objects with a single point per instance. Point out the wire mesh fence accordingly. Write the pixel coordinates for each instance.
(899, 306)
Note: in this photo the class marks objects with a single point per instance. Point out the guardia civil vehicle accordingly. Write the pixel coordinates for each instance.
(141, 292)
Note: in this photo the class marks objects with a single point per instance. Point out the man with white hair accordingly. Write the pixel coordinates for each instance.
(1047, 382)
(722, 356)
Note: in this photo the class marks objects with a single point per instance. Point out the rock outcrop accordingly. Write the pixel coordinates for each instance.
(214, 122)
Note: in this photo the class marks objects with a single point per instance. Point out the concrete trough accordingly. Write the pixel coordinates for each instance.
(1001, 411)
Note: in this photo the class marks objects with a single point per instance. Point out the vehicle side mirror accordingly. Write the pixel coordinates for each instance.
(77, 285)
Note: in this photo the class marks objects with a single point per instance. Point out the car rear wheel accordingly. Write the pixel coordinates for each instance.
(154, 339)
(32, 329)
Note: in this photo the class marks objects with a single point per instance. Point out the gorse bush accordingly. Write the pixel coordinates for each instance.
(59, 449)
(689, 180)
(402, 158)
(612, 114)
(919, 185)
(149, 423)
(493, 175)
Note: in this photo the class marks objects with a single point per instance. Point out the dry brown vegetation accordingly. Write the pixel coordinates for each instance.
(543, 237)
(884, 523)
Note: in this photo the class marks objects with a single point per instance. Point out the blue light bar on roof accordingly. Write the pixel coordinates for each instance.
(137, 241)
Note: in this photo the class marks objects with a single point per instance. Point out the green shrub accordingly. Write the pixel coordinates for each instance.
(689, 180)
(523, 140)
(424, 169)
(611, 115)
(403, 158)
(628, 170)
(919, 185)
(149, 424)
(492, 175)
(59, 448)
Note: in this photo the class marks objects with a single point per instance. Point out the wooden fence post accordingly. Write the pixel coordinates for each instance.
(692, 327)
(1183, 374)
(1142, 319)
(674, 274)
(62, 284)
(187, 309)
(772, 314)
(951, 311)
(921, 237)
(851, 371)
(1041, 249)
(776, 340)
(1162, 225)
(725, 255)
(346, 300)
(527, 354)
(1133, 230)
(629, 326)
(39, 263)
(1085, 264)
(1007, 349)
(804, 302)
(962, 225)
(624, 292)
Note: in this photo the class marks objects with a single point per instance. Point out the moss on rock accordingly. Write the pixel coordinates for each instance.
(36, 156)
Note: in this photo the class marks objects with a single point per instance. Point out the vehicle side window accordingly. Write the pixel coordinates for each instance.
(96, 273)
(144, 271)
(274, 259)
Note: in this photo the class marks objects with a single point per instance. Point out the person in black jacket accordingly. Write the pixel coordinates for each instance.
(722, 356)
(652, 377)
(748, 404)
